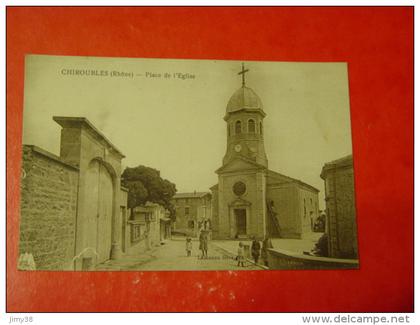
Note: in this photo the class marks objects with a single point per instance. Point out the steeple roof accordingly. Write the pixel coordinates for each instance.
(244, 98)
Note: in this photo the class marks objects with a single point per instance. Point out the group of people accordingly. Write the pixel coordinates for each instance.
(203, 246)
(256, 251)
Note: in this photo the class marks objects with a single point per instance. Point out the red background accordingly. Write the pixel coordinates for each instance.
(378, 45)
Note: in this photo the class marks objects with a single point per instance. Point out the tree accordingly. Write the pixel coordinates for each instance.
(137, 194)
(146, 185)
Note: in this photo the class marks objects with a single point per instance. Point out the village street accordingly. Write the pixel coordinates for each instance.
(172, 256)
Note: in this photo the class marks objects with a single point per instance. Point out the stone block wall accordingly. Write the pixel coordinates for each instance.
(48, 209)
(308, 209)
(285, 199)
(279, 259)
(341, 220)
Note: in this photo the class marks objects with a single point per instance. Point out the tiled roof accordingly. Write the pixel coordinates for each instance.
(344, 162)
(341, 162)
(275, 175)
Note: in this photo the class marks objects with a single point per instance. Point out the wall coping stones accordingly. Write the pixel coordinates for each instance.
(50, 155)
(309, 258)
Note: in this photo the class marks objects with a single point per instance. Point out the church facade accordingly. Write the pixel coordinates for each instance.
(250, 199)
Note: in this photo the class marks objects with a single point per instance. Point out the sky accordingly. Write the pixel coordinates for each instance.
(176, 124)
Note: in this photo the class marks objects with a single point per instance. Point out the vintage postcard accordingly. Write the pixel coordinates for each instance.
(157, 164)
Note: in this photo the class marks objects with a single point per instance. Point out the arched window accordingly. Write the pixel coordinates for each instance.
(238, 127)
(261, 128)
(251, 126)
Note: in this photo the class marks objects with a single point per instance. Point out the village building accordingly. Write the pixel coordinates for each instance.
(341, 227)
(250, 199)
(73, 208)
(149, 227)
(193, 212)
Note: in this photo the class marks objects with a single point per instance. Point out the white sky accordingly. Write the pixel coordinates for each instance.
(177, 125)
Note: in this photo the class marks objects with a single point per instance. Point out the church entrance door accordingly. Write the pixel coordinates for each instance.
(240, 216)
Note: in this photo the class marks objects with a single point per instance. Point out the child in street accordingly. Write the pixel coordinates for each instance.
(241, 255)
(188, 246)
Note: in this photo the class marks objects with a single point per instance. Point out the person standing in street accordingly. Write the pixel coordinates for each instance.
(188, 246)
(264, 251)
(203, 243)
(255, 249)
(241, 255)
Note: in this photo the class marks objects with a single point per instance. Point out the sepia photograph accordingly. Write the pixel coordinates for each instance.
(135, 164)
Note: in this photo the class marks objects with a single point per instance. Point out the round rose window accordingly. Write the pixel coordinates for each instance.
(239, 188)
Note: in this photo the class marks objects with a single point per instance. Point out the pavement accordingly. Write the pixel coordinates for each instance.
(172, 256)
(128, 262)
(298, 245)
(292, 245)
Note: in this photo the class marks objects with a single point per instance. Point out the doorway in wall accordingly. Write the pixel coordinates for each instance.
(240, 218)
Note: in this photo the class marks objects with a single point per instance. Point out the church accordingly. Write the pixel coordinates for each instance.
(250, 199)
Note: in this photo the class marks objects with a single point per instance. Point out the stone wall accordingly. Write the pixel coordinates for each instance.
(285, 199)
(340, 208)
(48, 209)
(279, 259)
(308, 209)
(293, 202)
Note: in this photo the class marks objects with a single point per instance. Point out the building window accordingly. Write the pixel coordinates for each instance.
(251, 126)
(228, 129)
(187, 210)
(137, 232)
(239, 188)
(186, 200)
(238, 127)
(261, 128)
(191, 224)
(304, 208)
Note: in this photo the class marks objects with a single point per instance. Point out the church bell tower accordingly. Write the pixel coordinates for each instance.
(245, 127)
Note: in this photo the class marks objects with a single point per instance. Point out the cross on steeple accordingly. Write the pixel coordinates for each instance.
(242, 72)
